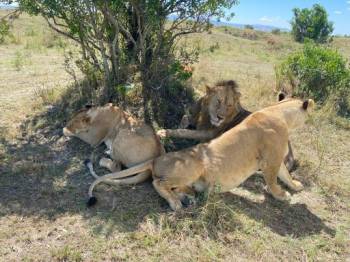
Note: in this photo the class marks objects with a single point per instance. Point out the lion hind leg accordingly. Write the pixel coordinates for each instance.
(165, 191)
(289, 159)
(139, 178)
(284, 175)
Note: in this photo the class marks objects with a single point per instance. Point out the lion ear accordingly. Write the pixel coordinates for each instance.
(208, 89)
(309, 103)
(281, 96)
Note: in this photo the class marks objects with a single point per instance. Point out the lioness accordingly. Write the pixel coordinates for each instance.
(129, 141)
(213, 114)
(260, 142)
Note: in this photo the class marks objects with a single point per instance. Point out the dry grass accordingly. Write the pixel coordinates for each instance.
(43, 183)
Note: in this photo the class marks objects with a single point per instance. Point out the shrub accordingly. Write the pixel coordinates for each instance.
(212, 48)
(4, 30)
(249, 27)
(317, 72)
(18, 61)
(311, 24)
(271, 41)
(249, 34)
(276, 31)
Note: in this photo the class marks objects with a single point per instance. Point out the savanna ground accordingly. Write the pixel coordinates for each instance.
(43, 183)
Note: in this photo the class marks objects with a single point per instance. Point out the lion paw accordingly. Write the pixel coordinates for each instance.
(297, 186)
(282, 195)
(162, 133)
(176, 205)
(285, 196)
(104, 162)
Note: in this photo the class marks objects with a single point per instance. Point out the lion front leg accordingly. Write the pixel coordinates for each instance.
(201, 135)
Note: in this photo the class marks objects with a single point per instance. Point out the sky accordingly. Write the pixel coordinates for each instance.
(279, 12)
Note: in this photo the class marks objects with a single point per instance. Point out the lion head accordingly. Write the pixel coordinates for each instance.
(90, 124)
(295, 111)
(223, 102)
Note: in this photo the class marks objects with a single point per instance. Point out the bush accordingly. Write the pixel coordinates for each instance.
(249, 34)
(311, 24)
(316, 72)
(271, 42)
(4, 30)
(276, 31)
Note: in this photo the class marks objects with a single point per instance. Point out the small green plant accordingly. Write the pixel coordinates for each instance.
(48, 96)
(4, 30)
(54, 40)
(67, 253)
(18, 61)
(214, 47)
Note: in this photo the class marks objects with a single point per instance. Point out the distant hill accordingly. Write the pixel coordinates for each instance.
(265, 28)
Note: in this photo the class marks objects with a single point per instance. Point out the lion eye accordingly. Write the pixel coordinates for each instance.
(86, 120)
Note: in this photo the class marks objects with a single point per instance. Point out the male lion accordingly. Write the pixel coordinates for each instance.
(213, 114)
(129, 141)
(260, 142)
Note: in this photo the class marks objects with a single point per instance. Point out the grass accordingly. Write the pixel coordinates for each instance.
(43, 183)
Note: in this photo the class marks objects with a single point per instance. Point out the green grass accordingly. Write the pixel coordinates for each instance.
(43, 184)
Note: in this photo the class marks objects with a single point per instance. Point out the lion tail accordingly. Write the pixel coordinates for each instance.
(148, 165)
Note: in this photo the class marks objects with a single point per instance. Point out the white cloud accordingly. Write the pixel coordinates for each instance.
(275, 21)
(338, 12)
(266, 19)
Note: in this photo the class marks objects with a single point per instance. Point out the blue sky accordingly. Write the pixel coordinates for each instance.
(279, 12)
